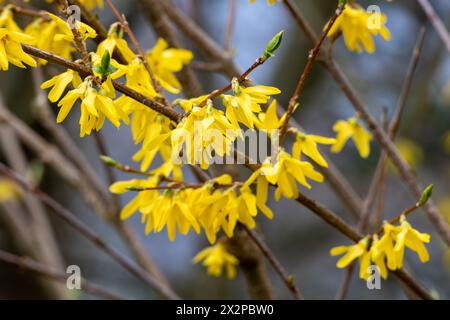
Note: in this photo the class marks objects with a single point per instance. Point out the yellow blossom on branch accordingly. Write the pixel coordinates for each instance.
(284, 172)
(165, 62)
(11, 49)
(307, 144)
(246, 101)
(358, 27)
(351, 128)
(387, 251)
(216, 259)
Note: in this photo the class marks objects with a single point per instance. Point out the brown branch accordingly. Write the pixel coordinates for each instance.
(242, 78)
(152, 104)
(25, 263)
(140, 53)
(207, 45)
(278, 267)
(382, 137)
(306, 71)
(155, 13)
(230, 25)
(89, 234)
(439, 26)
(91, 19)
(407, 83)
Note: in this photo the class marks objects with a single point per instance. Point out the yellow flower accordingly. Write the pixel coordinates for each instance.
(269, 120)
(7, 19)
(188, 104)
(412, 239)
(60, 82)
(217, 258)
(351, 128)
(137, 77)
(170, 210)
(286, 172)
(11, 49)
(357, 251)
(56, 36)
(386, 252)
(205, 130)
(9, 190)
(307, 144)
(115, 41)
(241, 106)
(165, 62)
(358, 27)
(96, 105)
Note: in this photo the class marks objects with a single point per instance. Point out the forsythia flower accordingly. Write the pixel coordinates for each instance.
(241, 106)
(351, 128)
(216, 205)
(205, 130)
(165, 61)
(115, 41)
(9, 190)
(60, 82)
(307, 144)
(96, 104)
(269, 120)
(357, 251)
(216, 258)
(11, 49)
(358, 27)
(7, 20)
(56, 36)
(412, 239)
(386, 252)
(285, 173)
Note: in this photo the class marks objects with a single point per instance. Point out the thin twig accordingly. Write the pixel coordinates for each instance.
(53, 58)
(88, 233)
(140, 53)
(278, 267)
(382, 137)
(437, 22)
(25, 263)
(230, 25)
(306, 71)
(242, 78)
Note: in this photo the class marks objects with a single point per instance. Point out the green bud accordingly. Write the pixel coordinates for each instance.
(426, 194)
(273, 45)
(105, 68)
(106, 59)
(342, 3)
(109, 161)
(291, 280)
(132, 188)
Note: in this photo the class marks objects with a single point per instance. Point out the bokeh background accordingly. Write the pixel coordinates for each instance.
(298, 238)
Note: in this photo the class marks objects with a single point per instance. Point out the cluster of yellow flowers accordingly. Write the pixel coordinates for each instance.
(213, 206)
(163, 199)
(358, 27)
(386, 252)
(216, 258)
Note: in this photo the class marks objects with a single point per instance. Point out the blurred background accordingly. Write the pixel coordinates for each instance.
(298, 238)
